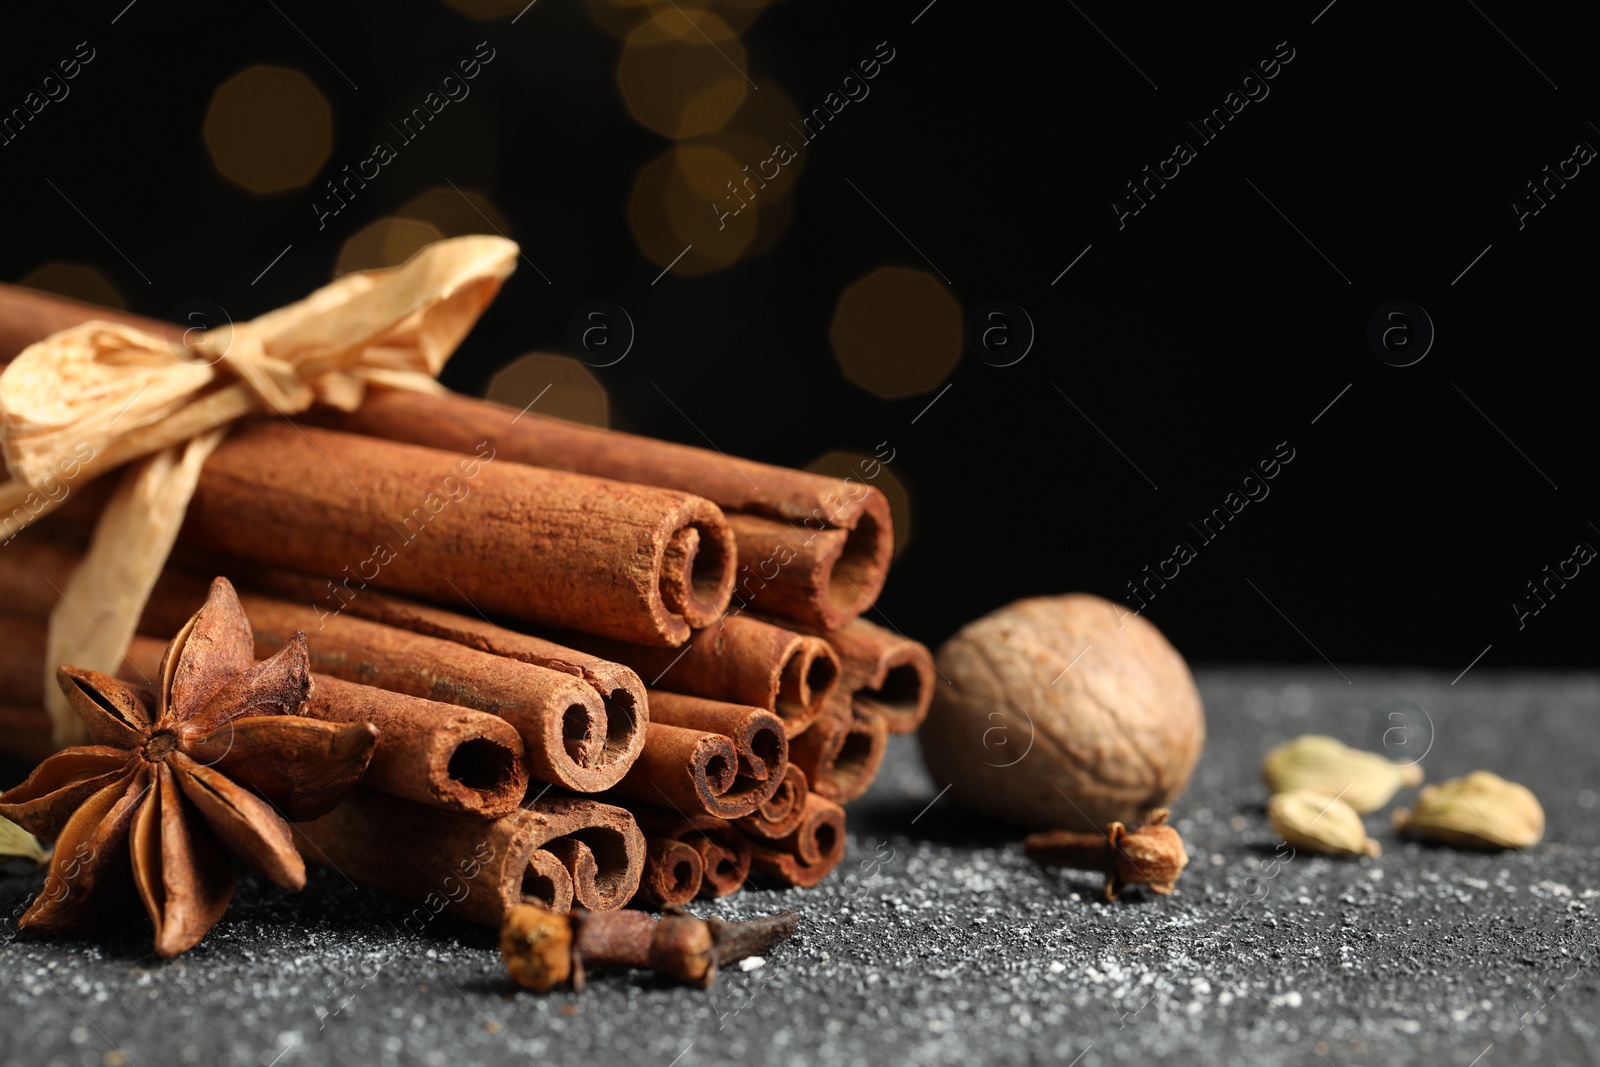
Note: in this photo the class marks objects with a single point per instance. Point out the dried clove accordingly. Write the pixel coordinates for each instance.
(543, 950)
(1152, 854)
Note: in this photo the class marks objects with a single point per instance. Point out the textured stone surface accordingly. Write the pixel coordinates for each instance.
(938, 943)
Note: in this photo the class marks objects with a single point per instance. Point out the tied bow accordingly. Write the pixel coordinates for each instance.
(100, 395)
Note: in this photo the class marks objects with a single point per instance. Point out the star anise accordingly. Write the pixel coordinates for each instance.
(175, 782)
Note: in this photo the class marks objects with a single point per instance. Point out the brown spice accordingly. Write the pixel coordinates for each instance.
(806, 856)
(479, 869)
(163, 785)
(842, 752)
(543, 950)
(724, 852)
(558, 548)
(1151, 854)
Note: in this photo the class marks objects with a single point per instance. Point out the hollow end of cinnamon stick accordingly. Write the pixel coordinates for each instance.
(546, 882)
(819, 577)
(599, 845)
(859, 759)
(724, 852)
(433, 753)
(779, 816)
(672, 873)
(904, 693)
(806, 680)
(697, 571)
(811, 852)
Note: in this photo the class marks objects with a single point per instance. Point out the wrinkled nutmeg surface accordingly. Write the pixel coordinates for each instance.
(1063, 712)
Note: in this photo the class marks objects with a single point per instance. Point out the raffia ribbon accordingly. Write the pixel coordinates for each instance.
(129, 398)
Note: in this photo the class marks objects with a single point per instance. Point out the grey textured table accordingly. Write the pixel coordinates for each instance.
(937, 942)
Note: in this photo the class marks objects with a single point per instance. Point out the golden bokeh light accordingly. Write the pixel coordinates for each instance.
(562, 386)
(897, 332)
(622, 17)
(388, 242)
(456, 213)
(869, 470)
(268, 129)
(674, 206)
(75, 281)
(682, 72)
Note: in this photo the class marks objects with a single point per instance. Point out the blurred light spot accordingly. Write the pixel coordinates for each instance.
(621, 17)
(268, 129)
(771, 118)
(675, 205)
(562, 386)
(682, 73)
(870, 471)
(455, 213)
(385, 243)
(76, 281)
(896, 332)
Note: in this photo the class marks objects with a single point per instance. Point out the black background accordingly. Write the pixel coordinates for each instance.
(1196, 338)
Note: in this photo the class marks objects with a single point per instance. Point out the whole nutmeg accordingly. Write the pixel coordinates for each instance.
(1064, 712)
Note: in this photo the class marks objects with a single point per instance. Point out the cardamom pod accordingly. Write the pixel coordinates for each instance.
(1481, 810)
(17, 843)
(1363, 780)
(1316, 822)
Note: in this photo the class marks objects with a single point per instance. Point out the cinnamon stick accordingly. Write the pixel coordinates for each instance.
(841, 753)
(724, 852)
(619, 688)
(810, 853)
(22, 652)
(477, 869)
(627, 561)
(33, 571)
(826, 581)
(738, 659)
(25, 733)
(884, 673)
(672, 874)
(28, 315)
(693, 771)
(757, 735)
(570, 738)
(432, 753)
(779, 816)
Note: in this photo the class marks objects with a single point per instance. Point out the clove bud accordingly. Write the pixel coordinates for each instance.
(543, 950)
(1152, 854)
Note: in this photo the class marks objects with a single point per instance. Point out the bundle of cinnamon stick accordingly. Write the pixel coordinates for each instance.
(603, 669)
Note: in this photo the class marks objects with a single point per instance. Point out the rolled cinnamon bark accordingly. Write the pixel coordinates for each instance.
(843, 568)
(28, 315)
(724, 852)
(757, 734)
(432, 753)
(33, 571)
(884, 674)
(628, 561)
(841, 753)
(22, 652)
(694, 771)
(672, 873)
(570, 738)
(476, 869)
(807, 855)
(619, 688)
(738, 659)
(779, 816)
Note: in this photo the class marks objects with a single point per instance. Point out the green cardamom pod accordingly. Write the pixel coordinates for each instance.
(1481, 810)
(1363, 780)
(1316, 822)
(17, 843)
